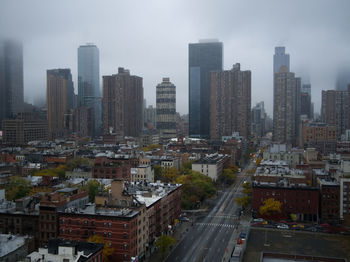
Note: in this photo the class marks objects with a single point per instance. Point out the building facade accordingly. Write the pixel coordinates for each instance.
(230, 103)
(11, 79)
(335, 109)
(59, 97)
(89, 93)
(123, 104)
(258, 120)
(166, 108)
(204, 57)
(286, 107)
(280, 58)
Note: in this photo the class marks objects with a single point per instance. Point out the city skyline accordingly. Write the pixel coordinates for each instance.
(150, 51)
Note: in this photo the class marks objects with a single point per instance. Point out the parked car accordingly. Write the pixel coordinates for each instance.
(256, 220)
(282, 226)
(184, 219)
(298, 226)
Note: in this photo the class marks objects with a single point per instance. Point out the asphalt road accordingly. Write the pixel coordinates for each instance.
(207, 239)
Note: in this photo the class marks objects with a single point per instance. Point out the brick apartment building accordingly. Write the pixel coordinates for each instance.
(51, 204)
(129, 218)
(111, 168)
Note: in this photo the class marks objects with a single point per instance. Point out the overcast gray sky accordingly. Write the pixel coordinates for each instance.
(151, 39)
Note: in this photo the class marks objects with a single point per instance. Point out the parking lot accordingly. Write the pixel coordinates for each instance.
(295, 242)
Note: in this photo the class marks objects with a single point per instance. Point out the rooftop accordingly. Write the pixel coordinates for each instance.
(9, 243)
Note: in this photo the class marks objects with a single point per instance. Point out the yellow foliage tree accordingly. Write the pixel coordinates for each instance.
(107, 250)
(171, 174)
(270, 207)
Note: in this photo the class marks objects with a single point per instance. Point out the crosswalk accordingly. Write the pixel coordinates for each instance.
(224, 216)
(215, 225)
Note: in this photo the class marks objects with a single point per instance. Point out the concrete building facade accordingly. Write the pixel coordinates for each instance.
(286, 107)
(166, 109)
(123, 104)
(230, 103)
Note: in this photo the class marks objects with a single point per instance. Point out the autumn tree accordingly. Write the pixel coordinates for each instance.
(245, 200)
(196, 187)
(94, 187)
(170, 174)
(163, 243)
(107, 249)
(270, 207)
(18, 187)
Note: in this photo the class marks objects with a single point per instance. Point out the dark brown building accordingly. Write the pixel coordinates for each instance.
(59, 100)
(111, 169)
(51, 203)
(329, 200)
(230, 103)
(122, 104)
(335, 109)
(83, 121)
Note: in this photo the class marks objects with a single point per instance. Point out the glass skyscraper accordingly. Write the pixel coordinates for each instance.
(11, 79)
(89, 93)
(204, 57)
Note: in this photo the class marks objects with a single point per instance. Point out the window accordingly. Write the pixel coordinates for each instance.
(104, 224)
(109, 234)
(86, 222)
(109, 224)
(78, 222)
(125, 246)
(63, 221)
(62, 230)
(92, 223)
(125, 225)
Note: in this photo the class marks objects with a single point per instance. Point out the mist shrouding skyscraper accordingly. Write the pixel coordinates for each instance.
(89, 93)
(280, 58)
(204, 57)
(59, 101)
(166, 108)
(11, 78)
(230, 103)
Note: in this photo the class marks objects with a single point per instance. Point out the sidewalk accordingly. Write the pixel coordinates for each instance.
(179, 232)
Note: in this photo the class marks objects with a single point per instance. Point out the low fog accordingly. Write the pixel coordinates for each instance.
(151, 39)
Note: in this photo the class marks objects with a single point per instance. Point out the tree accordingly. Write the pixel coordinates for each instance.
(163, 243)
(170, 174)
(228, 176)
(77, 162)
(243, 201)
(17, 188)
(157, 172)
(196, 187)
(270, 207)
(93, 188)
(107, 249)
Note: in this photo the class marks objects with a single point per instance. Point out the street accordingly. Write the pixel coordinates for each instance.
(208, 238)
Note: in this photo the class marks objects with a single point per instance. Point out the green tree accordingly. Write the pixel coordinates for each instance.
(157, 172)
(270, 207)
(243, 201)
(170, 174)
(18, 187)
(77, 162)
(94, 187)
(228, 176)
(163, 243)
(196, 187)
(107, 250)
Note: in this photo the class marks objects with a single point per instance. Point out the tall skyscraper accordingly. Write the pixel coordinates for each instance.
(280, 58)
(59, 99)
(258, 119)
(89, 93)
(123, 104)
(305, 101)
(335, 109)
(166, 108)
(230, 103)
(204, 57)
(286, 106)
(11, 79)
